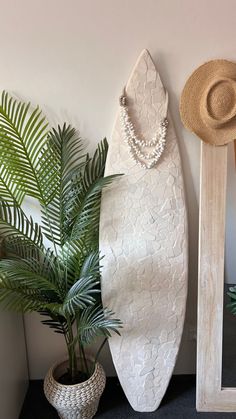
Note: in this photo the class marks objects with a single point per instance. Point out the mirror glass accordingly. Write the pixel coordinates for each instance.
(229, 320)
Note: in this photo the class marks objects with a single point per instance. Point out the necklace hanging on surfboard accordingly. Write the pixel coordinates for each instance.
(145, 159)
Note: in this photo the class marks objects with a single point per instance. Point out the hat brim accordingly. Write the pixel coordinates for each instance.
(191, 99)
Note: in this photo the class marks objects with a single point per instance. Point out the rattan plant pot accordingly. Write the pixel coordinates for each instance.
(79, 401)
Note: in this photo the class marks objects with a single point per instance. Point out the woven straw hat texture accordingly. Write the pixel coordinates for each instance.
(208, 102)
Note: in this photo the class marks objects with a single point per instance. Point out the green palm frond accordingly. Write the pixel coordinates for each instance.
(80, 295)
(40, 261)
(19, 300)
(13, 221)
(20, 248)
(48, 175)
(81, 261)
(232, 307)
(66, 149)
(16, 295)
(232, 294)
(87, 211)
(94, 168)
(56, 322)
(23, 138)
(73, 253)
(22, 274)
(96, 321)
(69, 149)
(10, 191)
(91, 265)
(83, 209)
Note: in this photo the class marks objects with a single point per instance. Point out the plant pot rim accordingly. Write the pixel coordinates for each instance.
(83, 383)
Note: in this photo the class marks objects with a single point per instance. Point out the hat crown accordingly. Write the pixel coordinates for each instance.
(221, 99)
(208, 102)
(219, 102)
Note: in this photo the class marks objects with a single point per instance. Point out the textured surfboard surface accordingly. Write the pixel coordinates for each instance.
(143, 235)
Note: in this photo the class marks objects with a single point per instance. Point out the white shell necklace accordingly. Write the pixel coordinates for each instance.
(137, 146)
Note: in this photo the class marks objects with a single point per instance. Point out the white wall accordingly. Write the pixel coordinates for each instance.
(72, 57)
(13, 365)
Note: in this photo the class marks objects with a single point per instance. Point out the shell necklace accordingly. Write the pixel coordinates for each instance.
(145, 159)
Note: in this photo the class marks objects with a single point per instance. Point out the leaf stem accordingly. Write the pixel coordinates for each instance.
(85, 361)
(98, 352)
(71, 351)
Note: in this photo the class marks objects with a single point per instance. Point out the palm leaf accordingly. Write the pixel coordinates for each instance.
(13, 221)
(29, 274)
(73, 254)
(86, 219)
(9, 190)
(93, 170)
(91, 265)
(95, 167)
(23, 137)
(20, 248)
(56, 322)
(87, 188)
(232, 307)
(19, 300)
(66, 148)
(80, 261)
(41, 261)
(18, 297)
(80, 295)
(96, 321)
(232, 294)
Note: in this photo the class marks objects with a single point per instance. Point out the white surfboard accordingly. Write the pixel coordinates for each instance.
(143, 235)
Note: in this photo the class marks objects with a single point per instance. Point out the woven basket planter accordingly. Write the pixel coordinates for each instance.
(78, 401)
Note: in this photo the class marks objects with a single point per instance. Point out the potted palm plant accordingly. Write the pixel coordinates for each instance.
(54, 267)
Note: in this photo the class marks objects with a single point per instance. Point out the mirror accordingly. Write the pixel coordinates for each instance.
(229, 320)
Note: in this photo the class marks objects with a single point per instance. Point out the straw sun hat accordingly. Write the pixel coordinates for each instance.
(208, 102)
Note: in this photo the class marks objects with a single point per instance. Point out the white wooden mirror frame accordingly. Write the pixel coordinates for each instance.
(211, 395)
